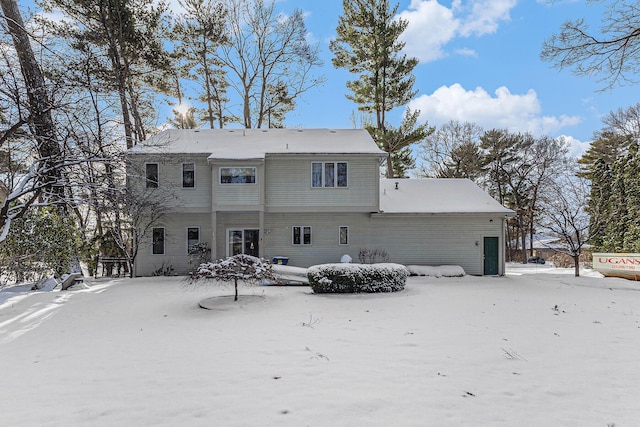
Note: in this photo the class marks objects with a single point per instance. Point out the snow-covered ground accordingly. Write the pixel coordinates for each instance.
(537, 347)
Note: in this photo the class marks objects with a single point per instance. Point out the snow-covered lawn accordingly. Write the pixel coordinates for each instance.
(528, 349)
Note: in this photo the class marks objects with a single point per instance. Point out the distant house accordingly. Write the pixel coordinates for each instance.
(310, 195)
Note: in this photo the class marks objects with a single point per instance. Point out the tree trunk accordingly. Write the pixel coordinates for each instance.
(390, 173)
(41, 121)
(235, 279)
(523, 238)
(576, 264)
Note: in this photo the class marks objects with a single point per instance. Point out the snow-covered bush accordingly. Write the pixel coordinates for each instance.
(40, 244)
(245, 268)
(199, 253)
(352, 278)
(436, 271)
(372, 256)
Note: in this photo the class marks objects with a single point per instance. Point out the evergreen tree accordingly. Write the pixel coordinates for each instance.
(453, 151)
(43, 242)
(396, 142)
(599, 203)
(631, 242)
(126, 39)
(614, 233)
(184, 120)
(464, 161)
(198, 33)
(368, 44)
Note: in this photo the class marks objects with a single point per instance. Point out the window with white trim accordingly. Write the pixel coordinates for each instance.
(188, 175)
(343, 235)
(329, 174)
(151, 175)
(193, 237)
(239, 175)
(158, 241)
(301, 235)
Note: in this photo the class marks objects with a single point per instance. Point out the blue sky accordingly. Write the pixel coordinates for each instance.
(479, 62)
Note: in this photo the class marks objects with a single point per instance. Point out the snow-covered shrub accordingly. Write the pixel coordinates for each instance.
(436, 271)
(372, 256)
(199, 253)
(352, 278)
(241, 267)
(41, 243)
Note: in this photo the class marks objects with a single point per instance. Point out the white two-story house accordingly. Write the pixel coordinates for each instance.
(310, 195)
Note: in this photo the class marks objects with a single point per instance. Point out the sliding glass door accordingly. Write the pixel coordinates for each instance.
(243, 241)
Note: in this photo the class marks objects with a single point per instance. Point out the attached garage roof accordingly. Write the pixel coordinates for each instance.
(244, 144)
(442, 195)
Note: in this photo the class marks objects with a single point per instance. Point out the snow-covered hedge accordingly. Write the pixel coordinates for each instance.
(351, 278)
(436, 271)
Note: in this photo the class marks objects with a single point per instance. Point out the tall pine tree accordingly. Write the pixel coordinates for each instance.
(198, 33)
(631, 179)
(368, 44)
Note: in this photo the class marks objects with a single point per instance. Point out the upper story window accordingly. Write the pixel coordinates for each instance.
(244, 175)
(151, 173)
(329, 174)
(188, 175)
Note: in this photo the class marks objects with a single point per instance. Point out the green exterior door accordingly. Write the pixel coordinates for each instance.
(491, 257)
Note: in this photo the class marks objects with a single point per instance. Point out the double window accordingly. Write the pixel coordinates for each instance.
(151, 175)
(301, 235)
(188, 175)
(242, 175)
(329, 174)
(157, 241)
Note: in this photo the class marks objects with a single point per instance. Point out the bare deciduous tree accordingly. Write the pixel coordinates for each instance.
(266, 50)
(566, 216)
(45, 177)
(453, 151)
(611, 52)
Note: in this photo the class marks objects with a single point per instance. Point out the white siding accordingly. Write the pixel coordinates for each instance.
(175, 253)
(289, 184)
(325, 246)
(436, 239)
(408, 239)
(170, 180)
(234, 195)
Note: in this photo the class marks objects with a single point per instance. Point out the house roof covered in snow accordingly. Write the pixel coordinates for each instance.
(246, 144)
(441, 195)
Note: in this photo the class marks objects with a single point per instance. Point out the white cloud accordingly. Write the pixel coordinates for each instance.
(576, 147)
(466, 52)
(504, 110)
(432, 25)
(485, 16)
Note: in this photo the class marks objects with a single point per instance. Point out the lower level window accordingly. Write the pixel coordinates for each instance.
(301, 235)
(193, 237)
(158, 241)
(343, 232)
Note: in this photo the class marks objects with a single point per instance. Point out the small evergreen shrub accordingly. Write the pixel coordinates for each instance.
(41, 243)
(354, 278)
